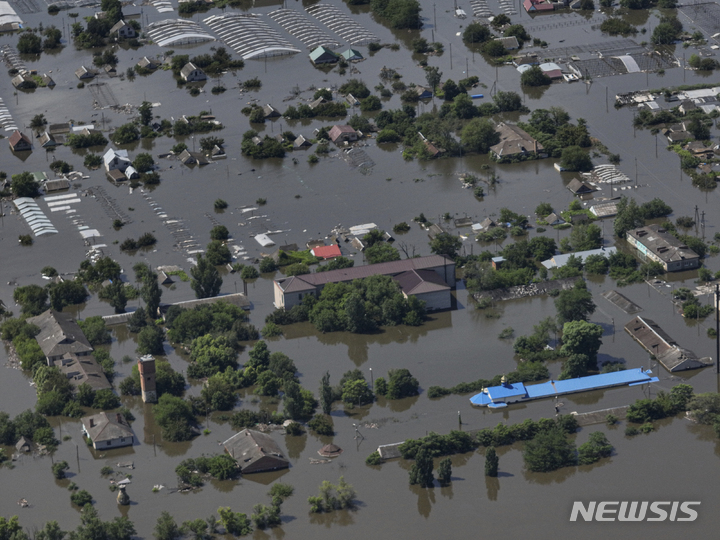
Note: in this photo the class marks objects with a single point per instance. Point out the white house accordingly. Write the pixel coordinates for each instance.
(123, 29)
(192, 73)
(116, 160)
(108, 430)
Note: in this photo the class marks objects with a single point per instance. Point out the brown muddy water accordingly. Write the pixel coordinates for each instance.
(678, 462)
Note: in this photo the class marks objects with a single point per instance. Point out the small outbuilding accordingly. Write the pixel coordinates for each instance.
(351, 55)
(23, 445)
(255, 452)
(326, 252)
(578, 187)
(84, 73)
(301, 142)
(46, 140)
(423, 92)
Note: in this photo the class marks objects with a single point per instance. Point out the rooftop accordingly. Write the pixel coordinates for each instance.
(663, 244)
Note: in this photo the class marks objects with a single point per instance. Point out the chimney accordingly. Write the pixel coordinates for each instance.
(92, 423)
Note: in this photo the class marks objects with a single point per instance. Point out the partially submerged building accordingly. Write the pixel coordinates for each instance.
(59, 335)
(657, 342)
(323, 55)
(290, 291)
(560, 260)
(515, 143)
(342, 134)
(108, 430)
(578, 187)
(656, 244)
(191, 73)
(19, 142)
(255, 452)
(83, 370)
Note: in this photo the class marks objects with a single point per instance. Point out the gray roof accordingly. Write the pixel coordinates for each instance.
(576, 186)
(59, 334)
(255, 452)
(656, 341)
(513, 140)
(83, 370)
(312, 281)
(663, 244)
(558, 261)
(106, 427)
(421, 281)
(188, 69)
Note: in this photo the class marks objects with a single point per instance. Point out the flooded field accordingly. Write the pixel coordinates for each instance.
(678, 462)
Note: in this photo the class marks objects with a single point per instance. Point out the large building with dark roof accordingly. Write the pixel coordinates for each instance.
(59, 335)
(656, 244)
(428, 278)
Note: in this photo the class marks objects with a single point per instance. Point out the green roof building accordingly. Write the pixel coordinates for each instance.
(351, 54)
(323, 55)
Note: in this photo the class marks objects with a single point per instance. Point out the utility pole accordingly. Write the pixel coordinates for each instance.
(717, 328)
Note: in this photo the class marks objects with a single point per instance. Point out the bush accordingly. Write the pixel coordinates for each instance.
(81, 498)
(59, 468)
(321, 424)
(374, 459)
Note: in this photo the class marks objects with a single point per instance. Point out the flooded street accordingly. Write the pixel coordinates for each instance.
(677, 462)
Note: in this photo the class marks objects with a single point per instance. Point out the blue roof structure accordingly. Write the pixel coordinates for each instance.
(558, 261)
(497, 396)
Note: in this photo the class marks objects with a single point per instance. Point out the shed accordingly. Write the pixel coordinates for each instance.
(553, 219)
(510, 43)
(23, 445)
(301, 142)
(423, 92)
(84, 73)
(255, 452)
(390, 451)
(164, 279)
(270, 112)
(116, 175)
(351, 55)
(147, 63)
(57, 185)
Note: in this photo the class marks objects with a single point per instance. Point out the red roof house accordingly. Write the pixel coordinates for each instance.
(19, 142)
(537, 5)
(326, 252)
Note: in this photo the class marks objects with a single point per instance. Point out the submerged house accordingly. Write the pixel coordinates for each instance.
(123, 29)
(341, 134)
(108, 430)
(577, 187)
(255, 452)
(191, 73)
(19, 142)
(514, 143)
(116, 160)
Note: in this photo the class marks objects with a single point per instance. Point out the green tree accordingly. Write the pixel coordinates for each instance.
(146, 115)
(381, 252)
(96, 331)
(357, 392)
(421, 471)
(534, 77)
(596, 448)
(628, 217)
(479, 135)
(206, 280)
(582, 338)
(491, 462)
(574, 304)
(326, 394)
(585, 237)
(476, 33)
(150, 340)
(494, 48)
(402, 384)
(217, 253)
(508, 101)
(66, 293)
(220, 232)
(549, 450)
(446, 244)
(24, 185)
(445, 471)
(59, 468)
(175, 417)
(450, 89)
(125, 134)
(144, 162)
(32, 300)
(29, 43)
(575, 158)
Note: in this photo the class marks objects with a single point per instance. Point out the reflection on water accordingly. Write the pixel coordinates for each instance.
(492, 484)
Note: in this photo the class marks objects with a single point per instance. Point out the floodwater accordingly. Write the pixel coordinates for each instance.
(678, 462)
